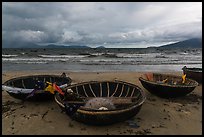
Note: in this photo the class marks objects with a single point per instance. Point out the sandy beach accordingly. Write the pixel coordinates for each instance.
(181, 116)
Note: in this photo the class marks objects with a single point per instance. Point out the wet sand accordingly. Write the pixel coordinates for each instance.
(181, 116)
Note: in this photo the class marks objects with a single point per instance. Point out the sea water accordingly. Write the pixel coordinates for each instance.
(100, 59)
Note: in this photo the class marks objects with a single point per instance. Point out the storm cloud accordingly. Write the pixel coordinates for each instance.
(116, 24)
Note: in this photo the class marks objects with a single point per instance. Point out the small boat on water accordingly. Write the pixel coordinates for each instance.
(167, 86)
(101, 102)
(22, 87)
(193, 73)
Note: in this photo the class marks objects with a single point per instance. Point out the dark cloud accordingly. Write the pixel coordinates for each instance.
(134, 23)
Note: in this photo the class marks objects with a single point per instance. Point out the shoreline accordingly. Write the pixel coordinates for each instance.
(97, 68)
(157, 116)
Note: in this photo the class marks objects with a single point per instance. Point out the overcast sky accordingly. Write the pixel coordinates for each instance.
(117, 24)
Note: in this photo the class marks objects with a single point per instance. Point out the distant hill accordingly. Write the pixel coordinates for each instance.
(19, 44)
(62, 46)
(190, 43)
(101, 47)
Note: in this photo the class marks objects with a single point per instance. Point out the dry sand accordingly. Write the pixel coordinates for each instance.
(157, 116)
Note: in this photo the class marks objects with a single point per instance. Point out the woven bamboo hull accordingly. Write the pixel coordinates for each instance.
(43, 96)
(102, 119)
(165, 90)
(106, 117)
(28, 82)
(193, 73)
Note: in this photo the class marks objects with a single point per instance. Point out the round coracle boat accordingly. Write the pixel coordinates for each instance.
(34, 87)
(101, 103)
(193, 73)
(167, 86)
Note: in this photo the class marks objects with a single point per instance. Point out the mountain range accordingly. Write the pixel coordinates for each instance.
(190, 43)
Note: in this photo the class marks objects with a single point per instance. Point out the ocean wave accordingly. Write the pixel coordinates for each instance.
(160, 56)
(126, 55)
(138, 55)
(183, 53)
(100, 60)
(32, 62)
(102, 63)
(35, 59)
(7, 56)
(97, 54)
(63, 56)
(23, 53)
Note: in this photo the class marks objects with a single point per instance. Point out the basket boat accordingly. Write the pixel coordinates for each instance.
(21, 87)
(193, 73)
(173, 87)
(122, 101)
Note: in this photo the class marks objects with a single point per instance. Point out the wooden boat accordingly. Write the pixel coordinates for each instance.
(101, 103)
(167, 86)
(193, 73)
(21, 87)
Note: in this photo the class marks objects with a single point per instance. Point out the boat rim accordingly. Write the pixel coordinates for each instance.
(198, 70)
(16, 78)
(133, 105)
(168, 85)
